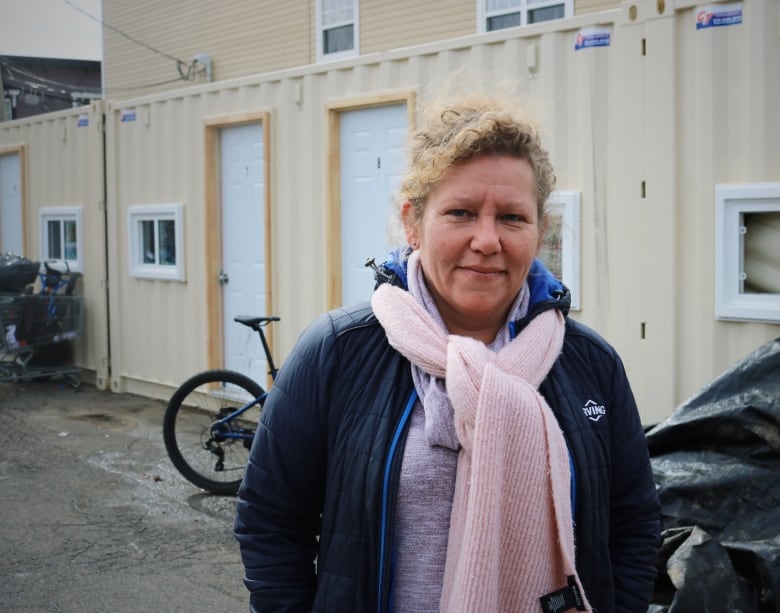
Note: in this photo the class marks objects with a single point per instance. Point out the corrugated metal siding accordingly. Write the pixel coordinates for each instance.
(63, 166)
(727, 129)
(157, 159)
(609, 120)
(678, 120)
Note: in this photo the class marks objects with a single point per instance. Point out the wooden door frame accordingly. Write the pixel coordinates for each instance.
(334, 110)
(213, 224)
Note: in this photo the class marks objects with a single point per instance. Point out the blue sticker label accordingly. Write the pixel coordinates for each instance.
(714, 16)
(592, 37)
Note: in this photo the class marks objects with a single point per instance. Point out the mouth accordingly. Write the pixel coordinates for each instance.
(483, 270)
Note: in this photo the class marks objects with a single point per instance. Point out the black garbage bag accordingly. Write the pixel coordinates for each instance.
(716, 462)
(16, 272)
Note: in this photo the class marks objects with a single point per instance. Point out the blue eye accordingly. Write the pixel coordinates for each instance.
(458, 212)
(513, 218)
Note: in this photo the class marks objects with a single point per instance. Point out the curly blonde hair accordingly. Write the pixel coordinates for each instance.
(456, 130)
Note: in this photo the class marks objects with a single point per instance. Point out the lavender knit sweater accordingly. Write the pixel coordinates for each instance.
(422, 520)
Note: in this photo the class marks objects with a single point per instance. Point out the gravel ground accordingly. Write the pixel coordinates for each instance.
(93, 517)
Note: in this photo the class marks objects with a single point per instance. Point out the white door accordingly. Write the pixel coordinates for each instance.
(243, 245)
(10, 205)
(372, 161)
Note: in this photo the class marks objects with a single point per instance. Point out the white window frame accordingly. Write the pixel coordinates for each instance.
(355, 51)
(732, 201)
(61, 214)
(156, 213)
(522, 7)
(566, 204)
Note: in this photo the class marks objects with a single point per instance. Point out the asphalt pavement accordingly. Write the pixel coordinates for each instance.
(94, 518)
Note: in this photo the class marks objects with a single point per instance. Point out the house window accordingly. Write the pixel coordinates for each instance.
(61, 236)
(500, 14)
(156, 249)
(560, 250)
(747, 252)
(337, 29)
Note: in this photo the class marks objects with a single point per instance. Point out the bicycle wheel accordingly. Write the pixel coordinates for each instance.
(201, 449)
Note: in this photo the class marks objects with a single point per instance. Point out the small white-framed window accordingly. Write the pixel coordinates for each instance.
(61, 235)
(560, 250)
(747, 252)
(337, 29)
(500, 14)
(156, 241)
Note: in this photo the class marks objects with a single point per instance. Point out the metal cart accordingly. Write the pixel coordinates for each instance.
(34, 326)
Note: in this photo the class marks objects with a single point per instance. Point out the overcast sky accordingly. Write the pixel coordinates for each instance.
(50, 28)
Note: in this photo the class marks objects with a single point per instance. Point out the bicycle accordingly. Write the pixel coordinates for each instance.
(210, 421)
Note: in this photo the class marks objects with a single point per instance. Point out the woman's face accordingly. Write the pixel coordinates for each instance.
(477, 238)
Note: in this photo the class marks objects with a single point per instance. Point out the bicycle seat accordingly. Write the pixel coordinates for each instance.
(253, 321)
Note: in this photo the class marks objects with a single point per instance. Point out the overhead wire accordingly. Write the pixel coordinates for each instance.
(124, 34)
(187, 75)
(39, 81)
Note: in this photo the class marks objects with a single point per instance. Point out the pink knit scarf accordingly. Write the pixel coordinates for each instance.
(511, 539)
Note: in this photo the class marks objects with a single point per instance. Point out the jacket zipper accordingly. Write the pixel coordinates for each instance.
(386, 493)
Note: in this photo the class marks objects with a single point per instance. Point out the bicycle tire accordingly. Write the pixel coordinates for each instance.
(190, 442)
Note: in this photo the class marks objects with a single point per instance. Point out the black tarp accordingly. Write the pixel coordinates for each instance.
(716, 462)
(16, 272)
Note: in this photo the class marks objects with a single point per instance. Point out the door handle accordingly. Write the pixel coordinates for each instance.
(223, 278)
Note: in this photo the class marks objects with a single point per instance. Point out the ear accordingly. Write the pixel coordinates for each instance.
(410, 224)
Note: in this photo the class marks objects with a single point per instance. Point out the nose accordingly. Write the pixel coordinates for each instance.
(486, 239)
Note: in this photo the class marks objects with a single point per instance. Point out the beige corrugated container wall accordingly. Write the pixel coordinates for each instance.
(62, 166)
(726, 130)
(643, 129)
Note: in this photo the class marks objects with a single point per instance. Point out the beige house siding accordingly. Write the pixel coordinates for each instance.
(241, 37)
(403, 23)
(582, 7)
(643, 137)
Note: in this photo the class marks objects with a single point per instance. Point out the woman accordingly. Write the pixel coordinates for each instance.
(431, 451)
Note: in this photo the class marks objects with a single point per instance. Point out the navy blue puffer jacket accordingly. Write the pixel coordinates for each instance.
(315, 511)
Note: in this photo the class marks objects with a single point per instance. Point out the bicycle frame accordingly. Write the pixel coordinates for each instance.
(257, 324)
(246, 435)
